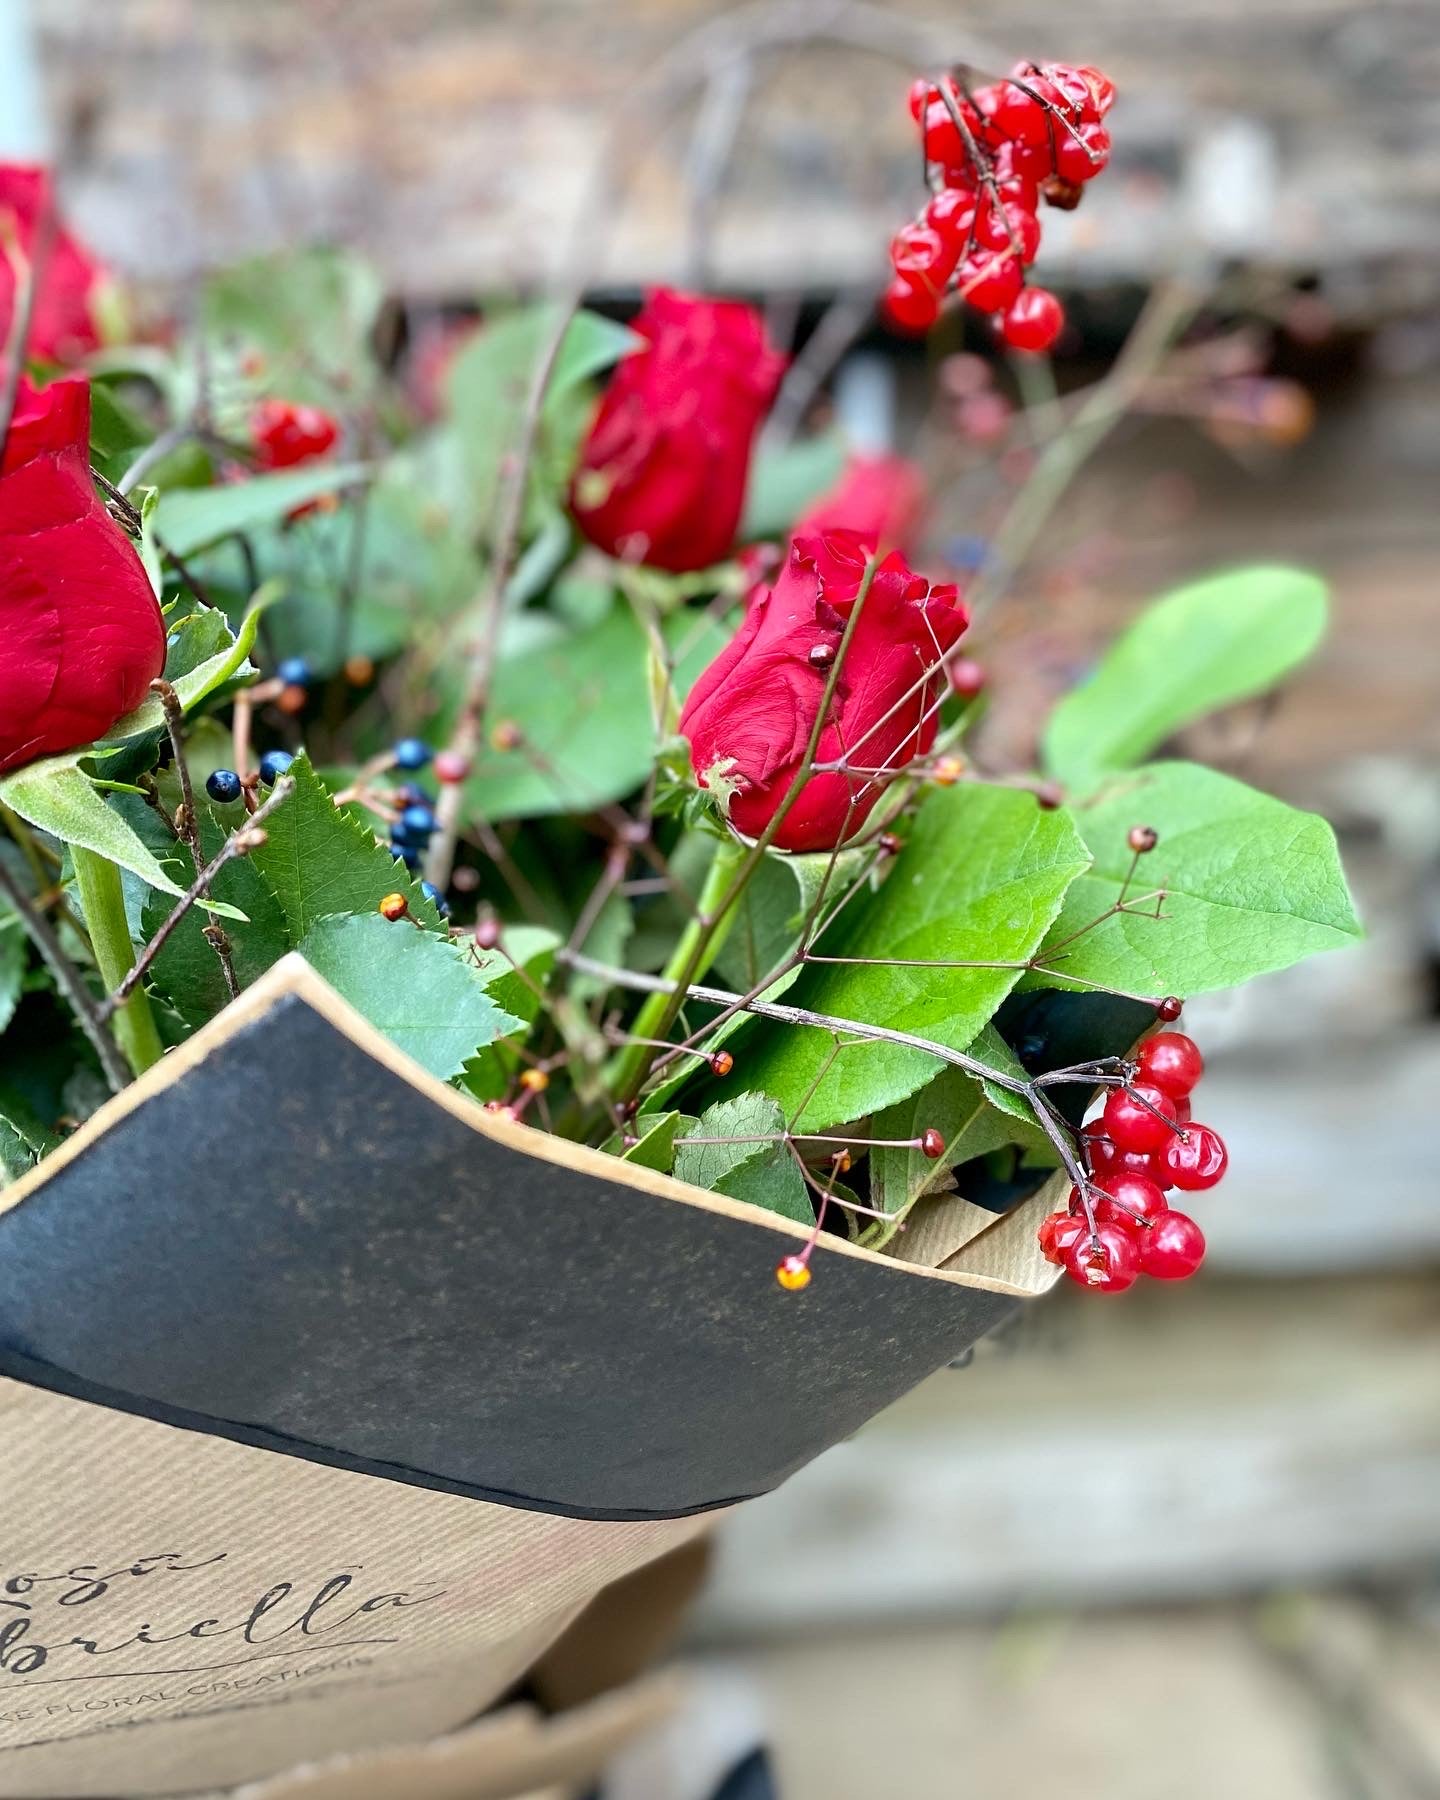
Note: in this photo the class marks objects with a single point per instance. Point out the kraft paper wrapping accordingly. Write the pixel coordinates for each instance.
(327, 1400)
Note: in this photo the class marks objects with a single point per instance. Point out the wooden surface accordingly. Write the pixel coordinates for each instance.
(1220, 1437)
(454, 138)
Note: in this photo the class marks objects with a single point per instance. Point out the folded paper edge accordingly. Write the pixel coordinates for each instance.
(293, 976)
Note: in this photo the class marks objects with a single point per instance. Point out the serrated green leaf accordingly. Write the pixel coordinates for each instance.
(318, 861)
(779, 898)
(1251, 885)
(228, 658)
(55, 796)
(763, 1174)
(415, 986)
(981, 879)
(784, 481)
(190, 519)
(1200, 648)
(186, 971)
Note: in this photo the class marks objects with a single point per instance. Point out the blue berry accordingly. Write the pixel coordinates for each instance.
(223, 786)
(417, 822)
(412, 753)
(436, 898)
(294, 671)
(273, 765)
(408, 794)
(406, 853)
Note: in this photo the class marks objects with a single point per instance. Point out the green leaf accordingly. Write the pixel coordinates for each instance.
(186, 970)
(764, 1174)
(489, 386)
(415, 986)
(961, 1110)
(1203, 647)
(55, 796)
(783, 482)
(1251, 884)
(190, 519)
(193, 681)
(312, 311)
(656, 1146)
(512, 978)
(778, 899)
(318, 861)
(981, 878)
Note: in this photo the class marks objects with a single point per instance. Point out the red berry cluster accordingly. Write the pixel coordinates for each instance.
(993, 154)
(286, 434)
(1143, 1143)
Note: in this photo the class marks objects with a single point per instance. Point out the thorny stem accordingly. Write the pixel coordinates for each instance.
(187, 823)
(69, 979)
(240, 842)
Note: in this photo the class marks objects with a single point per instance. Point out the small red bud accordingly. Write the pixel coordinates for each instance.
(1170, 1008)
(451, 766)
(932, 1144)
(507, 735)
(359, 670)
(291, 699)
(820, 656)
(487, 932)
(889, 844)
(721, 1063)
(394, 906)
(1142, 839)
(1049, 796)
(841, 1161)
(967, 678)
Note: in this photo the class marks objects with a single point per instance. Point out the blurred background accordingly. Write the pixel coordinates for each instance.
(1186, 1544)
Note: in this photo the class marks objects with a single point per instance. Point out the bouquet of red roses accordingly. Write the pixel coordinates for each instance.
(528, 1012)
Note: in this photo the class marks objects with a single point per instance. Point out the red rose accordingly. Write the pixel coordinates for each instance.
(81, 636)
(749, 716)
(881, 497)
(662, 473)
(62, 322)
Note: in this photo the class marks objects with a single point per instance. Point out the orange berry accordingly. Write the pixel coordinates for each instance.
(394, 906)
(793, 1273)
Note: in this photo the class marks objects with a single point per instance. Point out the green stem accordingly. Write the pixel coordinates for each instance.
(695, 950)
(102, 899)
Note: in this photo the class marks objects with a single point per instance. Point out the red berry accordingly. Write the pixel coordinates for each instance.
(944, 142)
(990, 280)
(1173, 1248)
(952, 213)
(451, 766)
(1139, 1117)
(1170, 1008)
(967, 678)
(1033, 322)
(1108, 1262)
(920, 92)
(1130, 1200)
(932, 1144)
(910, 306)
(1057, 1232)
(1019, 170)
(286, 434)
(1172, 1061)
(1080, 159)
(1102, 89)
(922, 252)
(1012, 227)
(1196, 1158)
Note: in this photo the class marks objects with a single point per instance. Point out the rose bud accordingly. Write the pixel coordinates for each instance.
(749, 717)
(662, 474)
(880, 497)
(81, 636)
(63, 321)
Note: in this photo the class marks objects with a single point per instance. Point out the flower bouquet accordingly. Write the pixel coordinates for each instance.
(529, 1011)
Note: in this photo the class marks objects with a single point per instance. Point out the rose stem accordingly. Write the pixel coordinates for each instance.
(102, 899)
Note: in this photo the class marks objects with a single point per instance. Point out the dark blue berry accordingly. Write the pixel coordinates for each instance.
(223, 786)
(408, 794)
(436, 898)
(417, 822)
(412, 753)
(406, 853)
(294, 671)
(273, 765)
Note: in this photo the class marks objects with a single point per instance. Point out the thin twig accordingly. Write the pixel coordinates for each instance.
(187, 823)
(72, 984)
(240, 842)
